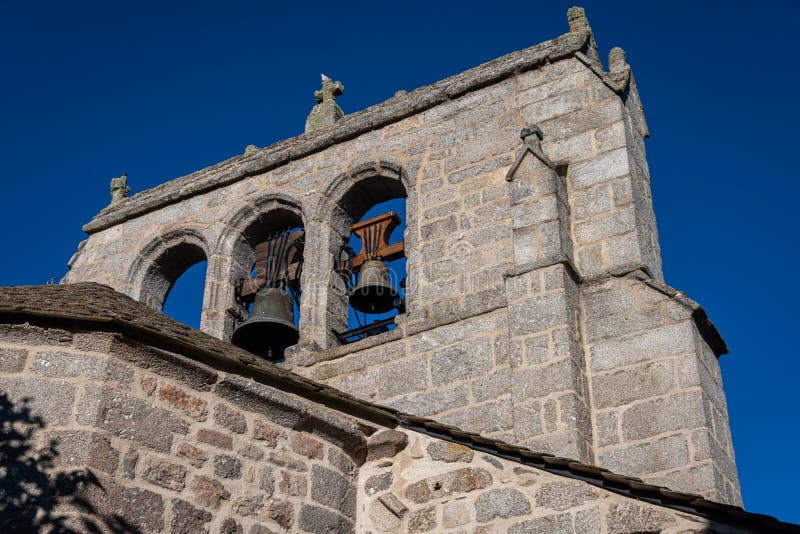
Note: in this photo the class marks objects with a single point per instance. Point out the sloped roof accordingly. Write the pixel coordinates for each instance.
(92, 305)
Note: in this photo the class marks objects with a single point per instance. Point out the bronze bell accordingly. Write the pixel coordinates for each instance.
(374, 292)
(270, 327)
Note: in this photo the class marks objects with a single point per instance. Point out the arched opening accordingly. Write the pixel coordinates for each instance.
(267, 267)
(372, 261)
(170, 263)
(184, 301)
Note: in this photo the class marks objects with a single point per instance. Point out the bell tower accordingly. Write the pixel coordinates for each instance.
(534, 309)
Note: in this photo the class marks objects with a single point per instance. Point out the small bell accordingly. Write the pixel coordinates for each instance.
(374, 292)
(270, 327)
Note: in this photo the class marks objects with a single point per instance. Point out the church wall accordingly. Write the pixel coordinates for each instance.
(499, 337)
(156, 442)
(439, 486)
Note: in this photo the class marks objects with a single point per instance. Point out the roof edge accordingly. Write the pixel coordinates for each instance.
(349, 127)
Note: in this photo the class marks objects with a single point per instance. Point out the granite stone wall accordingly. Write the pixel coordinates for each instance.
(439, 486)
(149, 441)
(536, 311)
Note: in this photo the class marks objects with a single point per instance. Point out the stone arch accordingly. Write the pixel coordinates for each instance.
(252, 223)
(162, 261)
(348, 197)
(233, 253)
(366, 183)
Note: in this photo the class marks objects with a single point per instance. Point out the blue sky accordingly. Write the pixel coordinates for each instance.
(94, 89)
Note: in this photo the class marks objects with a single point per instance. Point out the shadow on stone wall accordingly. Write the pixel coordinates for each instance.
(35, 498)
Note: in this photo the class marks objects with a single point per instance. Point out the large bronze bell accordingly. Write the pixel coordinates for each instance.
(374, 292)
(270, 327)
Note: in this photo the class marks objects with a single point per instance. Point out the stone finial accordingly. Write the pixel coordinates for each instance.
(618, 69)
(119, 189)
(576, 16)
(249, 149)
(577, 19)
(327, 111)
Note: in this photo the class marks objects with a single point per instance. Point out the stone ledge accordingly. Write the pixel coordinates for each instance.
(349, 127)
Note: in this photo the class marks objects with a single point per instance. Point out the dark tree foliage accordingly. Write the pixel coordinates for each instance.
(33, 496)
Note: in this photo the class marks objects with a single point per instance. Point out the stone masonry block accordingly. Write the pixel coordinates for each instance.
(530, 316)
(679, 411)
(281, 408)
(503, 502)
(535, 382)
(665, 453)
(48, 399)
(128, 417)
(331, 489)
(464, 360)
(79, 448)
(668, 340)
(12, 360)
(622, 387)
(603, 168)
(63, 364)
(406, 376)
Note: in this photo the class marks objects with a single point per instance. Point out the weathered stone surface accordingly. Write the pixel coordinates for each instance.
(385, 444)
(164, 473)
(208, 492)
(164, 363)
(393, 504)
(321, 521)
(294, 485)
(665, 453)
(563, 495)
(377, 483)
(342, 462)
(197, 457)
(422, 520)
(12, 360)
(382, 519)
(451, 483)
(191, 405)
(129, 461)
(306, 446)
(141, 508)
(633, 517)
(217, 439)
(464, 360)
(79, 447)
(504, 502)
(622, 387)
(281, 408)
(248, 505)
(282, 512)
(64, 364)
(230, 526)
(230, 419)
(455, 514)
(266, 480)
(665, 341)
(186, 519)
(679, 411)
(266, 432)
(403, 377)
(128, 417)
(50, 400)
(551, 524)
(445, 451)
(227, 466)
(333, 490)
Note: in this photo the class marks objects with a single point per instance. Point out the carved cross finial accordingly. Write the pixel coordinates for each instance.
(327, 111)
